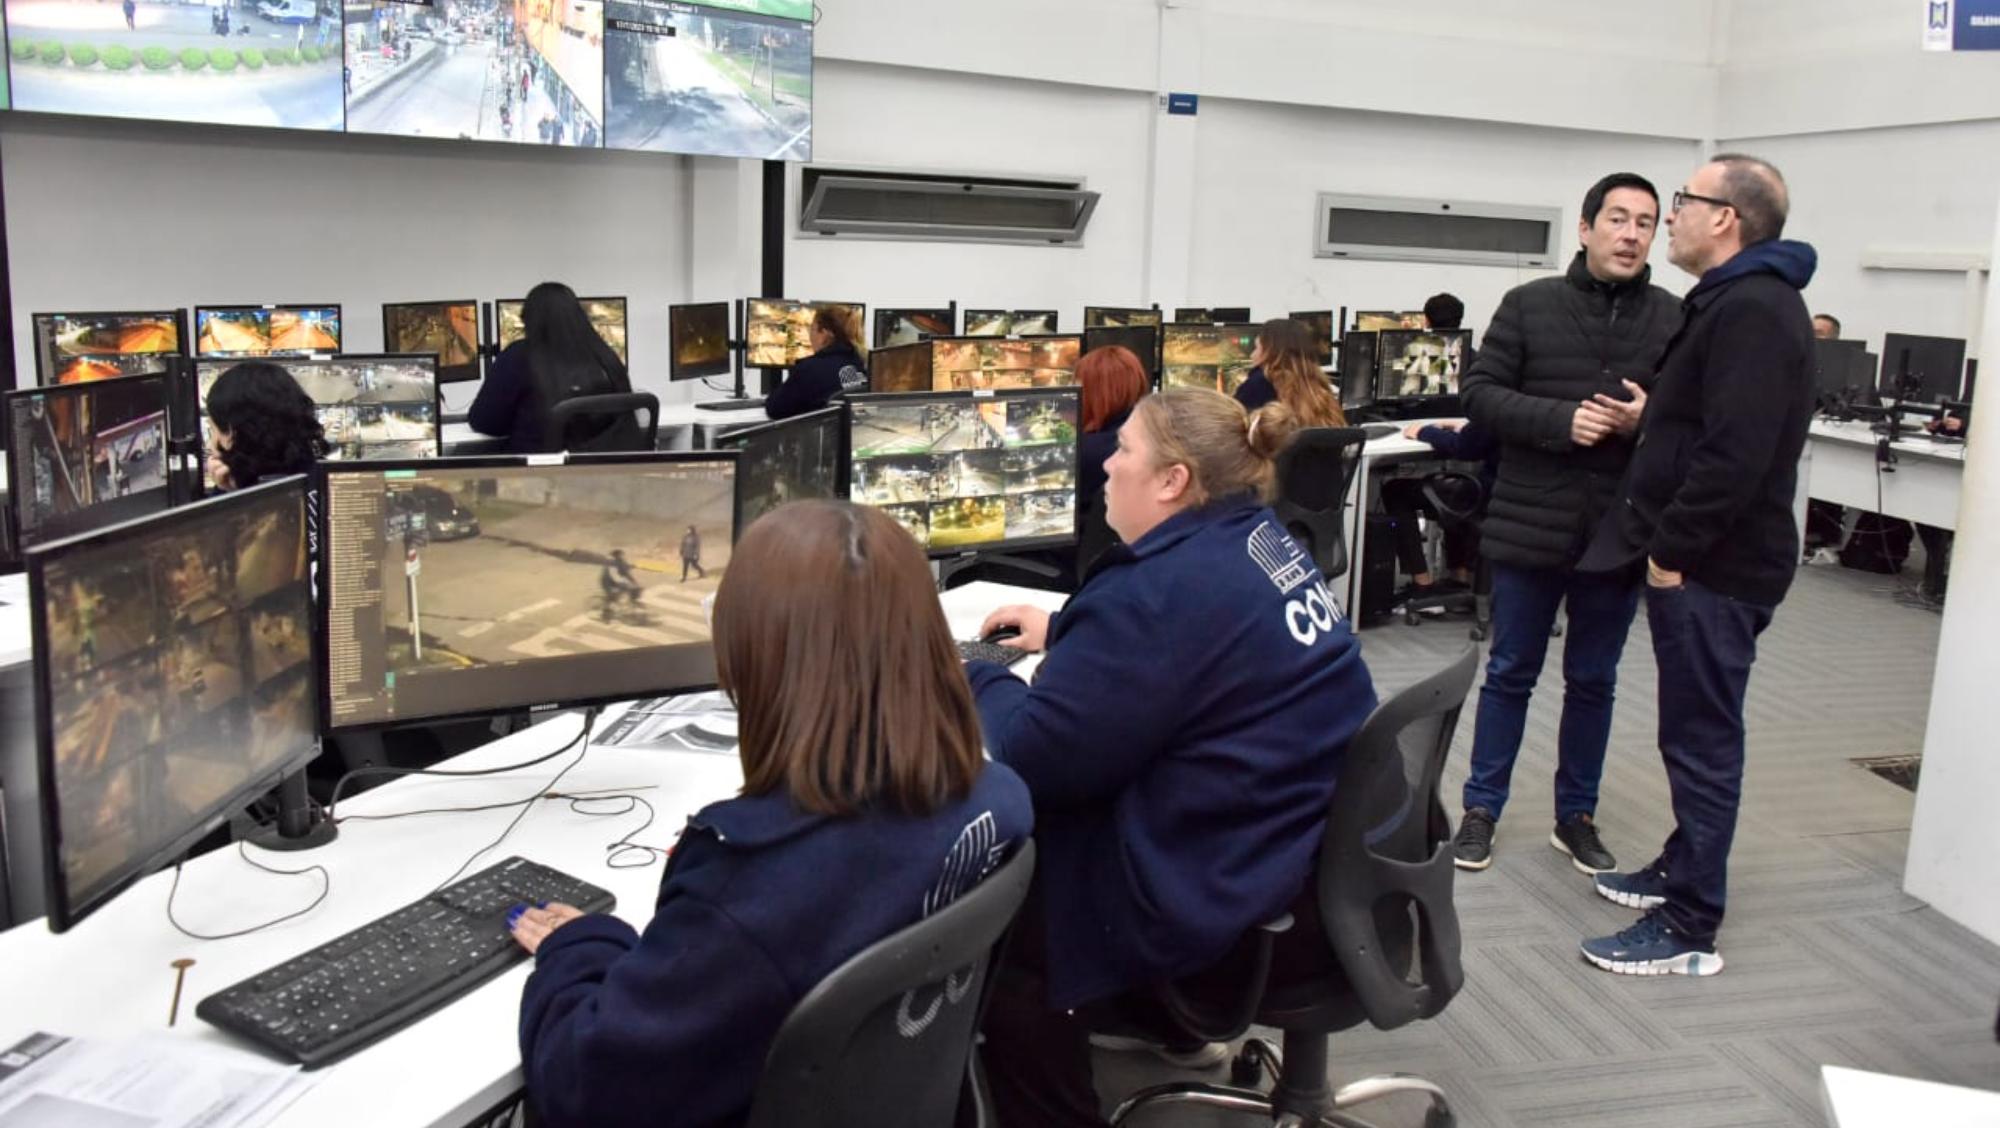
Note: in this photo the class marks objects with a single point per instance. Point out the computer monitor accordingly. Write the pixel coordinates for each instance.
(1206, 356)
(1374, 321)
(1143, 340)
(1214, 315)
(902, 326)
(1318, 323)
(72, 348)
(472, 586)
(448, 330)
(698, 340)
(1923, 369)
(373, 406)
(174, 669)
(791, 460)
(969, 471)
(82, 456)
(901, 368)
(973, 363)
(1420, 363)
(1009, 322)
(1104, 317)
(606, 314)
(779, 330)
(730, 79)
(295, 330)
(1839, 368)
(1356, 374)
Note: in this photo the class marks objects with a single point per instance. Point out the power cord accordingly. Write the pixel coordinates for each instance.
(326, 887)
(333, 803)
(527, 804)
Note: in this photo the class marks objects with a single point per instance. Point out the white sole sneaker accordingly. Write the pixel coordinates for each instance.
(1629, 900)
(1211, 1055)
(1461, 863)
(1688, 963)
(1556, 841)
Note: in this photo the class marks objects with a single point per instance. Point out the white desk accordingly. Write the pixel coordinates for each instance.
(1379, 453)
(1839, 466)
(1858, 1099)
(703, 426)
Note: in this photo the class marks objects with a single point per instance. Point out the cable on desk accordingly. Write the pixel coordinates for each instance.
(326, 887)
(528, 804)
(618, 855)
(333, 803)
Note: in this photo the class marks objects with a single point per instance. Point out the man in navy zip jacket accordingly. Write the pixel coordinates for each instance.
(1707, 505)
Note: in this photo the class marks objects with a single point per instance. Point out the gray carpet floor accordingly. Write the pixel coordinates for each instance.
(1828, 961)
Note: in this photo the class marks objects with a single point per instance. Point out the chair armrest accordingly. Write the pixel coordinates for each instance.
(1228, 1019)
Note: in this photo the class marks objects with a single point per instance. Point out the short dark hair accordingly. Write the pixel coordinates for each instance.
(1828, 317)
(1444, 311)
(1593, 200)
(1756, 189)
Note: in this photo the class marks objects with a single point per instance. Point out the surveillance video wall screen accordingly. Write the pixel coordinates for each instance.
(1207, 356)
(75, 348)
(728, 78)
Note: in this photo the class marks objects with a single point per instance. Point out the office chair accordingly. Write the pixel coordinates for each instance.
(885, 1040)
(1458, 500)
(604, 423)
(1315, 472)
(1093, 537)
(1376, 937)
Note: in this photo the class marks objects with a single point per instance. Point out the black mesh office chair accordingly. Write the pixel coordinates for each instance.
(1315, 472)
(1458, 500)
(601, 424)
(1376, 936)
(885, 1040)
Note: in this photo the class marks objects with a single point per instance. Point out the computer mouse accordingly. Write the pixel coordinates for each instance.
(1000, 634)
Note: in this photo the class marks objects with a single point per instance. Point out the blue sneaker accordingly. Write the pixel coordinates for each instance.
(1641, 889)
(1652, 947)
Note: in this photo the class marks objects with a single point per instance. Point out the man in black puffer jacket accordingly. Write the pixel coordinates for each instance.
(1560, 381)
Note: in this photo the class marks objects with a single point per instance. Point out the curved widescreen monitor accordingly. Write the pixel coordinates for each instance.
(74, 348)
(687, 78)
(793, 459)
(82, 456)
(1420, 363)
(1206, 356)
(447, 330)
(473, 586)
(372, 406)
(698, 340)
(606, 314)
(272, 330)
(175, 678)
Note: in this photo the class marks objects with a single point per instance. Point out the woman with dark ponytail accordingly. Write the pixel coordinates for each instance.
(559, 357)
(264, 426)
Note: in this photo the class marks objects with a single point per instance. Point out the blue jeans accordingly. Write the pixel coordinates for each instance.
(1525, 600)
(1704, 643)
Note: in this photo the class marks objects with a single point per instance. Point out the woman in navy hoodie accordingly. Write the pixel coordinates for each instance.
(839, 364)
(1181, 740)
(866, 804)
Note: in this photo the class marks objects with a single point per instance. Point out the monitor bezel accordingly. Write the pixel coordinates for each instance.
(194, 328)
(731, 441)
(61, 914)
(999, 546)
(18, 530)
(1381, 373)
(178, 316)
(727, 365)
(1933, 393)
(323, 605)
(478, 354)
(946, 314)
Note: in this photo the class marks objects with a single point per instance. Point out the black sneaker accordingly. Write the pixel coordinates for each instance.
(1640, 889)
(1473, 848)
(1577, 837)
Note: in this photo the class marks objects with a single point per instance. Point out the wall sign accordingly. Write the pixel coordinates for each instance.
(1962, 25)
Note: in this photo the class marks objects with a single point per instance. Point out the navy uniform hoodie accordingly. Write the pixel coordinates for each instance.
(1181, 741)
(759, 903)
(814, 381)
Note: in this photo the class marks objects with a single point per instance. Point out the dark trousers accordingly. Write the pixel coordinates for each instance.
(1704, 643)
(1403, 499)
(1037, 1058)
(1525, 601)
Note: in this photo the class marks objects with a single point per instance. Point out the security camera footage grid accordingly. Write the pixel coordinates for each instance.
(179, 666)
(607, 315)
(895, 327)
(1374, 321)
(266, 330)
(75, 348)
(1110, 317)
(1411, 364)
(372, 408)
(474, 589)
(968, 472)
(685, 78)
(448, 329)
(84, 456)
(1009, 322)
(959, 365)
(779, 330)
(795, 460)
(1216, 357)
(698, 337)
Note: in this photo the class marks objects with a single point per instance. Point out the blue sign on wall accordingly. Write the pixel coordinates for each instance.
(1183, 104)
(1976, 26)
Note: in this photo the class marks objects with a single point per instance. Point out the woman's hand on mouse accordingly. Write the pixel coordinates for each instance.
(533, 925)
(1032, 622)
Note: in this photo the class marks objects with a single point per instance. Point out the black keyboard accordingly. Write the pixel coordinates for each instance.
(976, 651)
(385, 975)
(731, 404)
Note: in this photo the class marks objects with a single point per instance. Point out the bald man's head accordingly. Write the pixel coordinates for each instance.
(1757, 190)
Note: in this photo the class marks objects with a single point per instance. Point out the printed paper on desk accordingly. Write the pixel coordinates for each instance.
(691, 722)
(146, 1081)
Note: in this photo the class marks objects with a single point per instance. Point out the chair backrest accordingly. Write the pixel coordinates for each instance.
(605, 423)
(1315, 474)
(885, 1040)
(1456, 497)
(1093, 535)
(1385, 864)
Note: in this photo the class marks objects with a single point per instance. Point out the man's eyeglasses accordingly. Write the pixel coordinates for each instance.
(1682, 197)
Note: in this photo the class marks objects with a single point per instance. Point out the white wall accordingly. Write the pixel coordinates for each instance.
(117, 215)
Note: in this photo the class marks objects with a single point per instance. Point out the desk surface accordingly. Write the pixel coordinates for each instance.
(110, 975)
(1859, 432)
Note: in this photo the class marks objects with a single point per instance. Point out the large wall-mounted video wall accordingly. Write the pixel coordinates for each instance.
(728, 78)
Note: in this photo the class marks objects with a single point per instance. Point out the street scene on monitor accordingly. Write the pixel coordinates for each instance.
(370, 409)
(74, 450)
(683, 78)
(959, 473)
(895, 327)
(780, 331)
(1008, 323)
(269, 63)
(607, 315)
(961, 365)
(901, 368)
(789, 463)
(529, 72)
(76, 348)
(700, 338)
(1205, 356)
(450, 330)
(180, 670)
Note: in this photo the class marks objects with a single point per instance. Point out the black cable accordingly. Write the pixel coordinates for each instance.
(589, 718)
(528, 804)
(624, 846)
(326, 887)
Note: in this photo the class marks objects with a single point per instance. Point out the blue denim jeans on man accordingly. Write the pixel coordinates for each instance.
(1525, 602)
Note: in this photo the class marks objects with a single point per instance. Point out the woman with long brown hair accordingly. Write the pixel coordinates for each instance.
(866, 804)
(839, 363)
(1283, 370)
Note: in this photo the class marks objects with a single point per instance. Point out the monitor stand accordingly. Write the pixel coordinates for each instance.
(301, 825)
(952, 565)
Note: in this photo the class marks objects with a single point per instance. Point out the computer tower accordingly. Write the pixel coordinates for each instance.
(1378, 571)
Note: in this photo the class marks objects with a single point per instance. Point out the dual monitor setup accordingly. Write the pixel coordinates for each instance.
(1910, 369)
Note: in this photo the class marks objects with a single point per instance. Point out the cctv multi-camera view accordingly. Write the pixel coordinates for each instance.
(794, 460)
(965, 472)
(780, 331)
(251, 62)
(961, 365)
(448, 329)
(686, 78)
(1207, 356)
(1108, 317)
(74, 348)
(606, 314)
(1374, 321)
(1319, 323)
(1009, 322)
(472, 589)
(905, 326)
(699, 338)
(179, 666)
(1411, 363)
(86, 455)
(372, 408)
(266, 330)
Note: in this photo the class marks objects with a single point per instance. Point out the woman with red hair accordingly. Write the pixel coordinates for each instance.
(1113, 382)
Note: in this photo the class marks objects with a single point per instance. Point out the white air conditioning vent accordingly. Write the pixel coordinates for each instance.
(943, 207)
(1412, 230)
